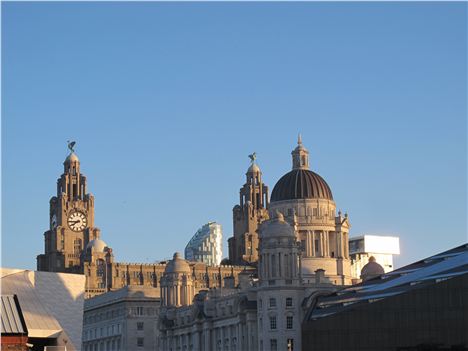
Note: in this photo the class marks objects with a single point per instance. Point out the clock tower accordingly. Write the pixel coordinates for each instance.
(71, 221)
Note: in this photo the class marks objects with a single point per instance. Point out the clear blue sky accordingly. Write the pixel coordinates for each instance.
(166, 100)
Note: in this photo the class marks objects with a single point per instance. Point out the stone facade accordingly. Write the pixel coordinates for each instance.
(124, 319)
(253, 313)
(74, 245)
(297, 249)
(247, 216)
(307, 203)
(71, 222)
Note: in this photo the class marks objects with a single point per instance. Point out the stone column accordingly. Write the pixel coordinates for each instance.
(313, 243)
(339, 240)
(327, 243)
(321, 244)
(308, 244)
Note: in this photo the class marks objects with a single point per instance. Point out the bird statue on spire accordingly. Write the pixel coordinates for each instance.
(71, 144)
(253, 157)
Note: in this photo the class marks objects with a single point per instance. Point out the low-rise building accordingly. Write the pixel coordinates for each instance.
(124, 319)
(421, 306)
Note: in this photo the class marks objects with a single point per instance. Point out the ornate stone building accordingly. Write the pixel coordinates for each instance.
(74, 245)
(71, 222)
(301, 252)
(306, 201)
(251, 211)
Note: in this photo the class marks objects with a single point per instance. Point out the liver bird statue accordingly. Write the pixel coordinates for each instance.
(71, 144)
(253, 157)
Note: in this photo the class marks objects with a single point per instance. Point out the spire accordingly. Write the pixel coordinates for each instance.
(299, 139)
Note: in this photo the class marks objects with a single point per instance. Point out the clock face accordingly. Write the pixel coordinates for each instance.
(77, 221)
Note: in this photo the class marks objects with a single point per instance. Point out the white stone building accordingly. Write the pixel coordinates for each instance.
(124, 319)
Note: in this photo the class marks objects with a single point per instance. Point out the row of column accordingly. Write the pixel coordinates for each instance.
(209, 339)
(278, 265)
(317, 244)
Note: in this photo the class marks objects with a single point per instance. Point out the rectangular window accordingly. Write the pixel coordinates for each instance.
(272, 302)
(273, 323)
(139, 311)
(290, 344)
(289, 302)
(273, 345)
(140, 325)
(140, 342)
(289, 322)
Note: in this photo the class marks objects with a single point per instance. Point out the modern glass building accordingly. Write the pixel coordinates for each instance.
(206, 245)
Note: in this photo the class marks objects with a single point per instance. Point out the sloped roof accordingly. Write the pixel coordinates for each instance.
(11, 316)
(51, 303)
(432, 270)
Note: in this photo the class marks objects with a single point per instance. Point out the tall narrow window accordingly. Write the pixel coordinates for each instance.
(273, 345)
(273, 323)
(289, 322)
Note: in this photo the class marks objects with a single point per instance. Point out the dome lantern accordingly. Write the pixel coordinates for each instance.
(301, 183)
(300, 155)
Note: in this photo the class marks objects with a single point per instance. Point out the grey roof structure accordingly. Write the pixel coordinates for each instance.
(11, 316)
(301, 184)
(432, 270)
(51, 303)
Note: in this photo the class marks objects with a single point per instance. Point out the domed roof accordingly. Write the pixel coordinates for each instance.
(72, 158)
(301, 184)
(276, 227)
(371, 269)
(96, 245)
(253, 168)
(178, 265)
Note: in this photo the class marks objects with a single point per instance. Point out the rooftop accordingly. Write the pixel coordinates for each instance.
(432, 270)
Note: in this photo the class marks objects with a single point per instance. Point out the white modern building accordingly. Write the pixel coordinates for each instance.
(382, 248)
(206, 245)
(120, 320)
